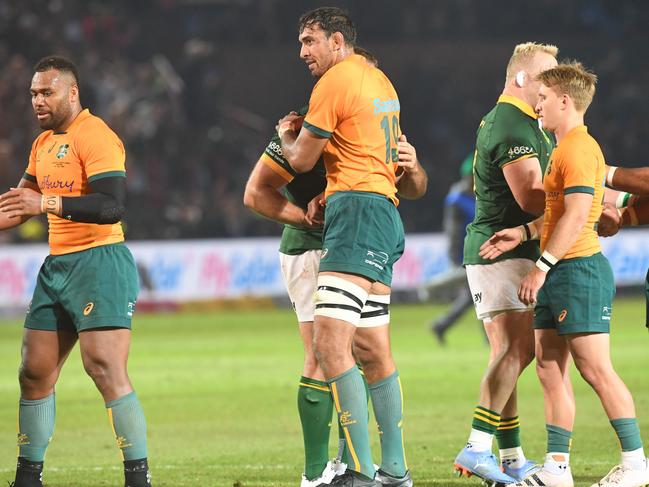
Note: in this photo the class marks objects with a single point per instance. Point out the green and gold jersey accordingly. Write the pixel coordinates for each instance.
(299, 190)
(509, 133)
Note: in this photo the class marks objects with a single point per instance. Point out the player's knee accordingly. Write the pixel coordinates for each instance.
(339, 299)
(104, 374)
(548, 374)
(594, 374)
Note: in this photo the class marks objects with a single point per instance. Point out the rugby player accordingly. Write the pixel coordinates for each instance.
(512, 151)
(87, 287)
(353, 121)
(572, 285)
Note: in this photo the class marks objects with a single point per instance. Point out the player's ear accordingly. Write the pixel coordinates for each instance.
(521, 79)
(74, 91)
(338, 40)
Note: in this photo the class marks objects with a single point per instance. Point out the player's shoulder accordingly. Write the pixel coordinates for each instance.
(578, 142)
(41, 139)
(95, 126)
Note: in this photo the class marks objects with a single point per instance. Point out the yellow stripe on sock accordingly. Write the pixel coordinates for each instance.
(486, 420)
(405, 463)
(503, 428)
(112, 425)
(511, 422)
(315, 386)
(486, 413)
(348, 438)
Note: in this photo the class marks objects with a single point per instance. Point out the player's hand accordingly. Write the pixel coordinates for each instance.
(408, 162)
(500, 242)
(314, 217)
(610, 221)
(291, 122)
(21, 202)
(530, 285)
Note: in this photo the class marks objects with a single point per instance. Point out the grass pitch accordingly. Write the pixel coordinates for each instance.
(219, 392)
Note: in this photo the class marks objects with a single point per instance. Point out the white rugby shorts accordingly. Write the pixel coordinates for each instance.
(300, 273)
(494, 287)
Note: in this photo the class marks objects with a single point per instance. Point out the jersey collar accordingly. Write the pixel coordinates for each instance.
(520, 104)
(83, 114)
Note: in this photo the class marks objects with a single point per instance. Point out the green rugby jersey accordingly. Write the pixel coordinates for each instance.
(509, 133)
(301, 189)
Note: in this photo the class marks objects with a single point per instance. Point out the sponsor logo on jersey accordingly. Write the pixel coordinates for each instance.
(50, 183)
(63, 151)
(386, 106)
(477, 297)
(324, 253)
(88, 309)
(519, 150)
(562, 315)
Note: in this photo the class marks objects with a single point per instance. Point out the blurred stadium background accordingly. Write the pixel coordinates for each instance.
(194, 88)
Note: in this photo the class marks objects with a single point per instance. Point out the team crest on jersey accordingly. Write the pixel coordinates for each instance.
(63, 151)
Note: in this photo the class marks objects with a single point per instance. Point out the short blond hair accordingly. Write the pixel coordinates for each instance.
(524, 53)
(573, 79)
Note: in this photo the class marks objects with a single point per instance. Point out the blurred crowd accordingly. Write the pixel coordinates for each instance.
(155, 70)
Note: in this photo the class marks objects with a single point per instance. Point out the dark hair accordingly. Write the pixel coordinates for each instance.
(57, 62)
(369, 57)
(330, 20)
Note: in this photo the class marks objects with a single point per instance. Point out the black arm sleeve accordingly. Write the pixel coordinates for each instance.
(104, 205)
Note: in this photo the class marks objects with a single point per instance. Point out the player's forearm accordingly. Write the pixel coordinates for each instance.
(413, 183)
(533, 202)
(270, 203)
(637, 213)
(7, 223)
(631, 180)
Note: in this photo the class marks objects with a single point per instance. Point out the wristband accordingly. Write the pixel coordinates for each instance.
(622, 200)
(51, 204)
(609, 176)
(546, 262)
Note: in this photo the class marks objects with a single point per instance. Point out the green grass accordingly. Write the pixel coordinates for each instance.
(219, 391)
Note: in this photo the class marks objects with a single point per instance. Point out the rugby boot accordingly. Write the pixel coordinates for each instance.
(481, 464)
(28, 474)
(621, 476)
(349, 479)
(136, 473)
(561, 477)
(518, 474)
(334, 468)
(387, 480)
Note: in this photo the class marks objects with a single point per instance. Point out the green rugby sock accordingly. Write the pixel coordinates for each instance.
(315, 405)
(628, 433)
(559, 439)
(508, 433)
(35, 427)
(127, 419)
(485, 420)
(387, 400)
(350, 401)
(345, 456)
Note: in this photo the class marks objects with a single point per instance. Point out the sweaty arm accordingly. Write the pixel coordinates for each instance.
(524, 180)
(631, 180)
(262, 195)
(302, 150)
(7, 218)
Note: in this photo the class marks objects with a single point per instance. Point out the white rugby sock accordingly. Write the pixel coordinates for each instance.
(480, 440)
